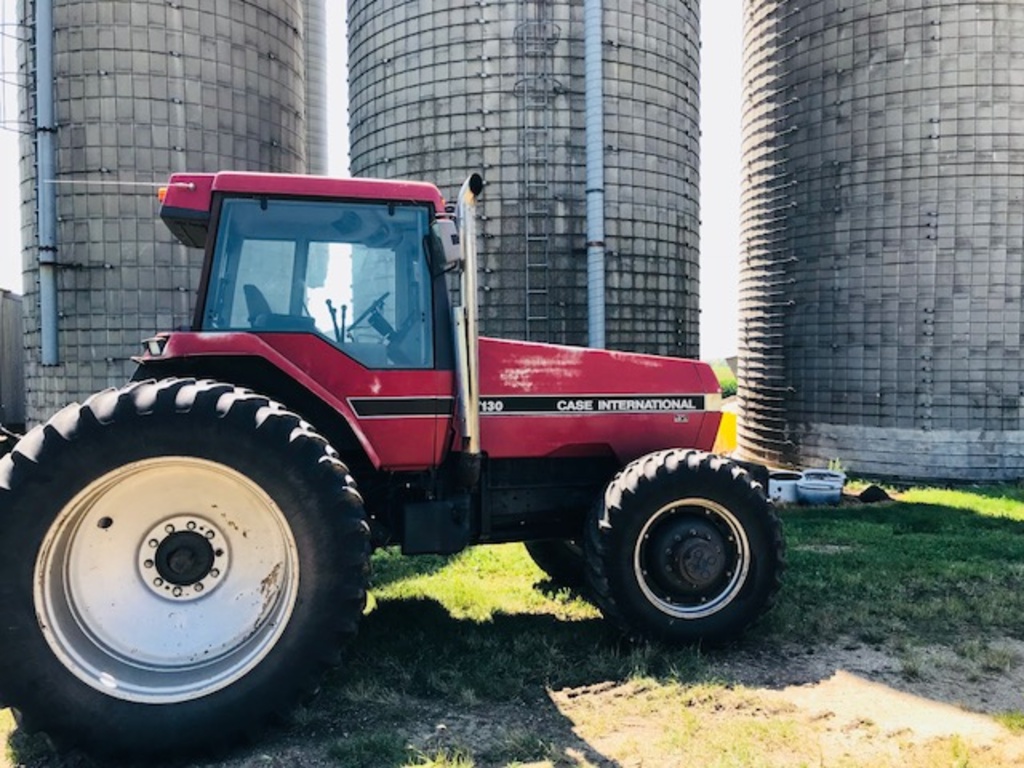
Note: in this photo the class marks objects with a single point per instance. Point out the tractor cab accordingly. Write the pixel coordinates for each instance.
(358, 270)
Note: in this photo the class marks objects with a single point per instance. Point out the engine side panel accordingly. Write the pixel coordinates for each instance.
(542, 400)
(537, 400)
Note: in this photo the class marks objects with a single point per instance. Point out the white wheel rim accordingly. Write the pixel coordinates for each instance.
(703, 524)
(110, 622)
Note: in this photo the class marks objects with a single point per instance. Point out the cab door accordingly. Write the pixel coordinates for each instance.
(344, 291)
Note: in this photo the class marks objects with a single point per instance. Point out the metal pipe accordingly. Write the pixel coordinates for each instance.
(46, 189)
(469, 386)
(594, 105)
(315, 56)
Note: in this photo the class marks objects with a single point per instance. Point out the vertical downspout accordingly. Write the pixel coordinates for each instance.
(46, 190)
(315, 57)
(592, 60)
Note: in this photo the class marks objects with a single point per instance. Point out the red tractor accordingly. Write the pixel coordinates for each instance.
(181, 558)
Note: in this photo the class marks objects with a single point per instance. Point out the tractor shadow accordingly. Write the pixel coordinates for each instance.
(480, 690)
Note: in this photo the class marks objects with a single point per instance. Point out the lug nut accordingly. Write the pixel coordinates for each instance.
(214, 572)
(198, 587)
(148, 564)
(169, 528)
(158, 582)
(176, 591)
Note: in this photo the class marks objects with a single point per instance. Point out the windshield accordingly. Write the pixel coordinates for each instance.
(354, 273)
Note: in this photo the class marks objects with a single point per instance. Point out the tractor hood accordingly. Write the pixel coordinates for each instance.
(625, 404)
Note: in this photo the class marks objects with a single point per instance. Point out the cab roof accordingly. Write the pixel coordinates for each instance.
(188, 198)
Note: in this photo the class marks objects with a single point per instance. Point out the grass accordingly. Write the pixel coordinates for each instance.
(937, 565)
(1013, 720)
(477, 661)
(726, 378)
(369, 750)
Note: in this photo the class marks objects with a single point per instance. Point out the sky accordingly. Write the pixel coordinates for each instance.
(721, 30)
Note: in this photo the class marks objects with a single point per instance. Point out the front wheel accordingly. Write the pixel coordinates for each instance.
(181, 561)
(684, 546)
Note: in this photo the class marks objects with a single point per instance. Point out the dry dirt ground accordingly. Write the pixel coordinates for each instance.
(845, 705)
(842, 706)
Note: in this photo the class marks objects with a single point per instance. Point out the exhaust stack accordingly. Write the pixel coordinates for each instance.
(467, 352)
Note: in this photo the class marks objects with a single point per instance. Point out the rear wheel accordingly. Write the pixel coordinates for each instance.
(181, 561)
(684, 546)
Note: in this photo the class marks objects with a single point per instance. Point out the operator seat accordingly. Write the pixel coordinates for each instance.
(256, 303)
(261, 316)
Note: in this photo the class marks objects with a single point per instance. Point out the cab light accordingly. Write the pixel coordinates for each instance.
(155, 346)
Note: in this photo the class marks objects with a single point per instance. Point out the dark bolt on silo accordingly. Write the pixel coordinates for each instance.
(440, 89)
(883, 237)
(141, 89)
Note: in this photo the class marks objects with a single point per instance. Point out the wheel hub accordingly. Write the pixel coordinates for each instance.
(689, 556)
(183, 558)
(700, 561)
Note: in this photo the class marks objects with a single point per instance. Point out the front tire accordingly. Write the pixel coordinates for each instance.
(684, 546)
(180, 561)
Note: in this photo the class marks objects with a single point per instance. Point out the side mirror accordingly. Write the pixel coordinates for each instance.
(448, 232)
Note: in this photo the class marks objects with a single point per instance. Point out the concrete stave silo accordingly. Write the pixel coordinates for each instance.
(141, 89)
(882, 250)
(439, 90)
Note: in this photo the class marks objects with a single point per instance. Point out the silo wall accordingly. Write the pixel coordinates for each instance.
(882, 237)
(442, 89)
(141, 89)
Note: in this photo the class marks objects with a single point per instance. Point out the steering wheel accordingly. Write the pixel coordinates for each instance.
(375, 306)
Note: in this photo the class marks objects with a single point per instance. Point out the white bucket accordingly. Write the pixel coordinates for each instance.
(818, 492)
(782, 487)
(820, 486)
(825, 476)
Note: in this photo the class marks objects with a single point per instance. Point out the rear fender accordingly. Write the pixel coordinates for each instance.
(243, 359)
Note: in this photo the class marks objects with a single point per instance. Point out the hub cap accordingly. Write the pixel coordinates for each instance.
(166, 580)
(183, 557)
(691, 558)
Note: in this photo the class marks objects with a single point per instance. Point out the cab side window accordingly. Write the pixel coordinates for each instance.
(356, 274)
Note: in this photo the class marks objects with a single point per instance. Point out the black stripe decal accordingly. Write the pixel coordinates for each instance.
(389, 407)
(589, 404)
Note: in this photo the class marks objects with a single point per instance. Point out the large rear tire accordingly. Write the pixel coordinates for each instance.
(179, 562)
(684, 546)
